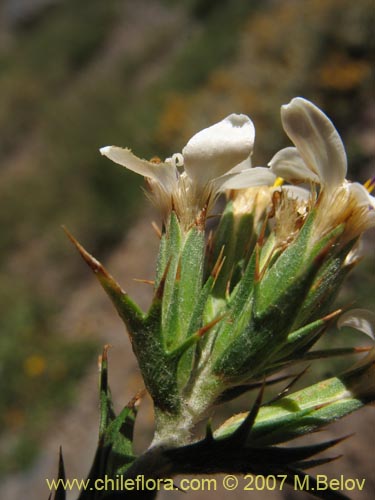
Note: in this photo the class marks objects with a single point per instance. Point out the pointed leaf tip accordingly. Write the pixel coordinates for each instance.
(103, 358)
(60, 493)
(287, 389)
(137, 399)
(127, 309)
(160, 289)
(61, 464)
(105, 351)
(332, 315)
(210, 325)
(242, 433)
(209, 437)
(94, 264)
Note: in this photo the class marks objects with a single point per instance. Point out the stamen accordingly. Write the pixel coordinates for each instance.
(178, 160)
(370, 184)
(279, 181)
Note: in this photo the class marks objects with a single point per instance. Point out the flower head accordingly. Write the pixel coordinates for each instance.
(319, 158)
(215, 159)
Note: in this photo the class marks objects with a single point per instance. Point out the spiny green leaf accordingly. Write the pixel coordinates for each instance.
(119, 438)
(267, 330)
(107, 413)
(171, 330)
(159, 371)
(243, 245)
(60, 493)
(162, 259)
(304, 336)
(243, 431)
(127, 309)
(173, 254)
(325, 287)
(193, 339)
(330, 353)
(309, 464)
(192, 260)
(290, 264)
(299, 423)
(187, 359)
(299, 413)
(238, 390)
(186, 288)
(196, 320)
(224, 237)
(238, 310)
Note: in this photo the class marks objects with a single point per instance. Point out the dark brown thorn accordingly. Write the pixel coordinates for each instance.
(257, 263)
(209, 325)
(332, 315)
(209, 243)
(137, 399)
(276, 199)
(322, 405)
(266, 264)
(202, 216)
(319, 259)
(219, 269)
(178, 270)
(147, 282)
(213, 216)
(242, 433)
(363, 349)
(262, 233)
(157, 229)
(218, 264)
(105, 352)
(94, 264)
(227, 289)
(160, 289)
(286, 389)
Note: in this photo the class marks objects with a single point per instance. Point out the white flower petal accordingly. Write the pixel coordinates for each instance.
(164, 173)
(360, 319)
(288, 164)
(362, 197)
(364, 201)
(214, 151)
(360, 379)
(355, 254)
(297, 192)
(317, 141)
(244, 165)
(257, 176)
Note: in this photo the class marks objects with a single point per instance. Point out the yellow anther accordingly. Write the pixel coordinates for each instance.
(278, 182)
(370, 184)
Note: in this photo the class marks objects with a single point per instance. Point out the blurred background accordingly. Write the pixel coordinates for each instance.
(78, 75)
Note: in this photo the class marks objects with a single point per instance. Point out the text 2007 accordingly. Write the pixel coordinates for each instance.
(264, 483)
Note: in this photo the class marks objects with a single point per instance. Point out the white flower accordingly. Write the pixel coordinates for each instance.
(360, 379)
(319, 155)
(163, 173)
(214, 151)
(360, 319)
(319, 158)
(215, 159)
